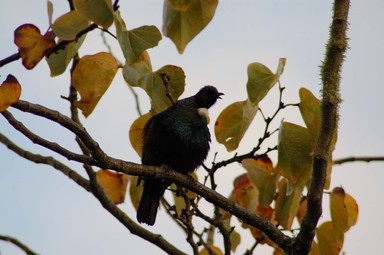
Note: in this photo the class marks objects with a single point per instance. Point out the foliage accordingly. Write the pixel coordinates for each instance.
(276, 193)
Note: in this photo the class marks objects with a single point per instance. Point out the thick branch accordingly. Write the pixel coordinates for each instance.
(330, 75)
(104, 161)
(18, 244)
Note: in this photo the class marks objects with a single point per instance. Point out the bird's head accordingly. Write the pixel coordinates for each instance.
(207, 96)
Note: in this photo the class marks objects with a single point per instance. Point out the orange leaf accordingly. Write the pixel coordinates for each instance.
(302, 210)
(91, 78)
(114, 184)
(344, 210)
(32, 45)
(244, 193)
(10, 91)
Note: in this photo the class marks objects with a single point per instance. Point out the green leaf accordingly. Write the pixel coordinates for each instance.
(329, 244)
(295, 147)
(99, 11)
(183, 20)
(233, 122)
(67, 26)
(132, 72)
(263, 177)
(154, 86)
(287, 203)
(134, 42)
(261, 80)
(58, 61)
(235, 239)
(310, 111)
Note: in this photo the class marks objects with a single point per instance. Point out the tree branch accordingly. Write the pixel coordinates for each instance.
(330, 74)
(39, 159)
(18, 244)
(354, 159)
(10, 59)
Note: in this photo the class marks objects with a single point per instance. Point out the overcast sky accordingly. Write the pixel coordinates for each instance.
(52, 215)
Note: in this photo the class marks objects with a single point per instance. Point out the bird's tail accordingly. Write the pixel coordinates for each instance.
(149, 203)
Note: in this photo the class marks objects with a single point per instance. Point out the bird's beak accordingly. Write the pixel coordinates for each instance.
(219, 95)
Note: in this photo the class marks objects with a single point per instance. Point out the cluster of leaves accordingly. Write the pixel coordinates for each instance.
(276, 193)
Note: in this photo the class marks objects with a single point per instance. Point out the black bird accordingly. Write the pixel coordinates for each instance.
(178, 138)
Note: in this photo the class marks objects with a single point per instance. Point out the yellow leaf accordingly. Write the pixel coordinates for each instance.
(315, 249)
(184, 20)
(310, 111)
(261, 80)
(233, 122)
(32, 45)
(67, 26)
(263, 177)
(328, 243)
(91, 78)
(114, 184)
(136, 132)
(344, 211)
(10, 91)
(287, 205)
(212, 248)
(99, 11)
(135, 191)
(235, 239)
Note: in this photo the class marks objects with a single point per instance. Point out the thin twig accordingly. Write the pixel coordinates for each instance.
(354, 159)
(10, 59)
(19, 244)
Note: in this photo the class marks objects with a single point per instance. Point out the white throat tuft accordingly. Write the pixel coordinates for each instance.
(203, 112)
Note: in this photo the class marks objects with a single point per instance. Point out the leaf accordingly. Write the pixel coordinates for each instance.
(233, 122)
(32, 45)
(344, 211)
(10, 91)
(179, 200)
(133, 72)
(135, 191)
(244, 193)
(287, 205)
(50, 12)
(114, 184)
(99, 11)
(134, 42)
(263, 177)
(136, 132)
(92, 76)
(327, 241)
(315, 249)
(295, 148)
(212, 250)
(67, 26)
(302, 210)
(154, 86)
(310, 111)
(261, 80)
(58, 61)
(235, 239)
(183, 21)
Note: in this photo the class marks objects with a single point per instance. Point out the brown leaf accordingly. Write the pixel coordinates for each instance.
(32, 45)
(10, 91)
(114, 184)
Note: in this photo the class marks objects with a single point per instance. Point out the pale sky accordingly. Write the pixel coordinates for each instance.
(49, 213)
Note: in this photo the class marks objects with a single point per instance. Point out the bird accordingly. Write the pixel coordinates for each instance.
(179, 138)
